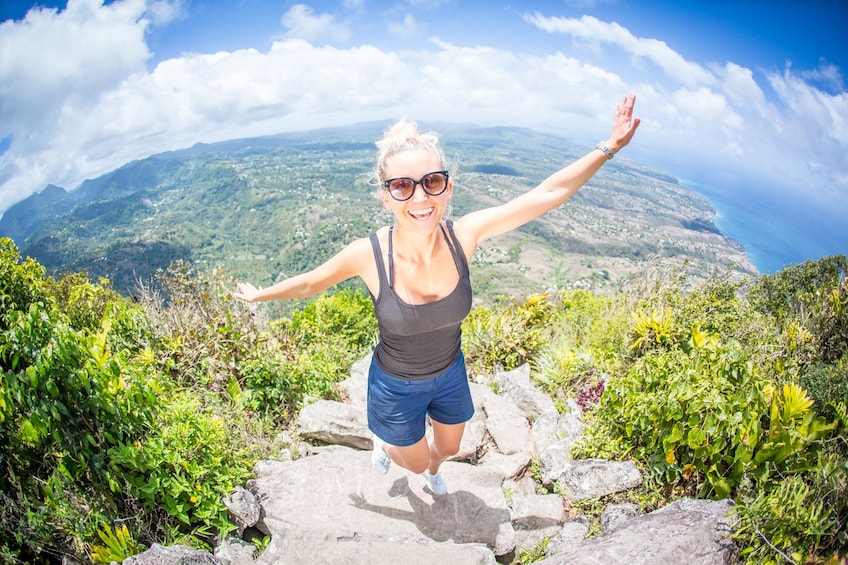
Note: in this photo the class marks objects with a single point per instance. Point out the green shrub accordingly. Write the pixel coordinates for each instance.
(182, 469)
(306, 355)
(831, 324)
(87, 304)
(585, 341)
(797, 290)
(346, 314)
(707, 413)
(784, 523)
(506, 336)
(826, 383)
(66, 397)
(118, 544)
(21, 282)
(201, 333)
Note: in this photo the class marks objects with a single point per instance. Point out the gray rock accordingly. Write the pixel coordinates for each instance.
(569, 536)
(312, 548)
(544, 431)
(507, 424)
(555, 460)
(695, 532)
(616, 514)
(234, 551)
(535, 512)
(535, 519)
(172, 555)
(355, 388)
(479, 394)
(335, 423)
(516, 386)
(507, 466)
(244, 510)
(590, 478)
(475, 442)
(336, 495)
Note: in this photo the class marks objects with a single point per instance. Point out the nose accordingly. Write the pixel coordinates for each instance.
(419, 194)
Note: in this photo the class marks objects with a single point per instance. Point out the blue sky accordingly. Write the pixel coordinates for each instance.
(746, 96)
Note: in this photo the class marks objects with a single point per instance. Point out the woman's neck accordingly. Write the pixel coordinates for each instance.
(416, 247)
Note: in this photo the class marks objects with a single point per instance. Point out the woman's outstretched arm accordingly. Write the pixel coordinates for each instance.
(554, 190)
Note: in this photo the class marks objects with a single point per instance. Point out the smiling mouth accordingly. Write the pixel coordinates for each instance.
(420, 214)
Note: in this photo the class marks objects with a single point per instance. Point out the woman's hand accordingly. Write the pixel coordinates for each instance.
(624, 124)
(246, 292)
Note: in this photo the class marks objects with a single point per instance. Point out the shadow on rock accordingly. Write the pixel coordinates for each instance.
(460, 516)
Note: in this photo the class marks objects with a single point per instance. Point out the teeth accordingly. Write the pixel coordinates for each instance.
(421, 212)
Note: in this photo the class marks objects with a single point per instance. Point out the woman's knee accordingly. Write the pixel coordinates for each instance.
(447, 448)
(415, 458)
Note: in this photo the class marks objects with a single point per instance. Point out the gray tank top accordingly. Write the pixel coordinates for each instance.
(419, 341)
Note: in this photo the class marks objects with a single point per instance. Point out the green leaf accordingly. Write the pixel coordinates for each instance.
(28, 432)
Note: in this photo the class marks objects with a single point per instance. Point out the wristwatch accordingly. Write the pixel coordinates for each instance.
(602, 145)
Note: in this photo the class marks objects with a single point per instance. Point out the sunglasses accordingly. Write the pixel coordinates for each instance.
(402, 188)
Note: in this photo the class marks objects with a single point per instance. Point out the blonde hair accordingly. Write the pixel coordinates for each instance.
(405, 136)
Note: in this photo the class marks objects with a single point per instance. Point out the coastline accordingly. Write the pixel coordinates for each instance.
(774, 234)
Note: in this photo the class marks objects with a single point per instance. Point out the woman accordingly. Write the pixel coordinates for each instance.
(417, 273)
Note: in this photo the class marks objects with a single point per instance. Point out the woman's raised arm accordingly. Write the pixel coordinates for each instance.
(554, 190)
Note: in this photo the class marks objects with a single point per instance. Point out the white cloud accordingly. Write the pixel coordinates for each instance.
(405, 29)
(51, 56)
(163, 12)
(85, 103)
(707, 107)
(827, 74)
(302, 23)
(813, 134)
(592, 30)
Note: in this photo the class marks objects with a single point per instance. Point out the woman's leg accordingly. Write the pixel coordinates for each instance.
(422, 456)
(446, 441)
(415, 457)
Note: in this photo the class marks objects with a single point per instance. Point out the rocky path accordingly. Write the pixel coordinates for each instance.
(327, 506)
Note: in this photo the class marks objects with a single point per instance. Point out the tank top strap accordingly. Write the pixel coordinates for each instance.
(455, 248)
(391, 260)
(448, 239)
(381, 269)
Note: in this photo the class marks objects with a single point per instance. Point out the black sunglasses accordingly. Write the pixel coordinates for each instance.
(402, 188)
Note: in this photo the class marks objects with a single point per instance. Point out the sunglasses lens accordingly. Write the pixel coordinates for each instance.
(434, 182)
(401, 188)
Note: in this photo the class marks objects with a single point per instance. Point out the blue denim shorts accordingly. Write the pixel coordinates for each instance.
(397, 408)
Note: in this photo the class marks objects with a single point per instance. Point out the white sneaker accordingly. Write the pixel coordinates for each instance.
(436, 483)
(380, 460)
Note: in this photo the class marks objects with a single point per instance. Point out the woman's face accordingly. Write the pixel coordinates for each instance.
(421, 211)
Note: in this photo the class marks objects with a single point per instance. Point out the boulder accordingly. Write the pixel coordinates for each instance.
(335, 423)
(695, 532)
(591, 478)
(172, 555)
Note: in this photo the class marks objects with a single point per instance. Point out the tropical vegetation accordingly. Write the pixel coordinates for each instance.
(124, 421)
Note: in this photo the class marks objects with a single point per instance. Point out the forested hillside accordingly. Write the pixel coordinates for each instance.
(269, 207)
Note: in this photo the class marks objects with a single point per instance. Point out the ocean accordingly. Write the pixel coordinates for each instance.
(776, 231)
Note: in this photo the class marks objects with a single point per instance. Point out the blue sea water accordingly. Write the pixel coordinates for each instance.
(776, 230)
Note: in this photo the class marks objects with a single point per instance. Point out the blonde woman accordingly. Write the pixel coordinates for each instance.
(417, 273)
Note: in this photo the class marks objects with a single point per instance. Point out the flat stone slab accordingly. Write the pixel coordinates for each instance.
(311, 549)
(336, 495)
